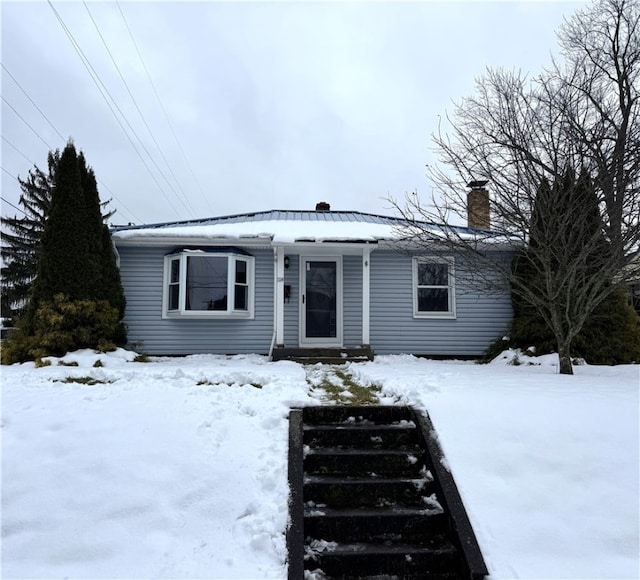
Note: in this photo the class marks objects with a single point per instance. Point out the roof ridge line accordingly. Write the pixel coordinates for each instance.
(249, 214)
(221, 219)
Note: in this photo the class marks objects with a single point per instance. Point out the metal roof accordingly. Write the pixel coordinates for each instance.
(277, 215)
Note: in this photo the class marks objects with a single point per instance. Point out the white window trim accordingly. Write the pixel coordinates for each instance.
(449, 260)
(232, 258)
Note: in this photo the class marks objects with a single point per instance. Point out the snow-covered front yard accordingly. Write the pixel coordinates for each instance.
(177, 468)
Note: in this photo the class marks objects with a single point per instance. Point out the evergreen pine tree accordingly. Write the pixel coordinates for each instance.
(67, 261)
(77, 299)
(112, 289)
(21, 236)
(93, 230)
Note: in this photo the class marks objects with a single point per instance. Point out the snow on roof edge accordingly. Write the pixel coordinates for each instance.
(290, 227)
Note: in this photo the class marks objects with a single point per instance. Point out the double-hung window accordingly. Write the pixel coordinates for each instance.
(433, 287)
(212, 283)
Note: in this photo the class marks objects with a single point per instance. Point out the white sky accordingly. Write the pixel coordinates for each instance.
(275, 105)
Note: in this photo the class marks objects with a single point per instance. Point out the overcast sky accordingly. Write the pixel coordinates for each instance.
(242, 106)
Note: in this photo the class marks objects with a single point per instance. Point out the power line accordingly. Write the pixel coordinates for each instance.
(185, 200)
(103, 89)
(8, 173)
(32, 101)
(114, 196)
(102, 184)
(166, 116)
(25, 122)
(9, 203)
(17, 150)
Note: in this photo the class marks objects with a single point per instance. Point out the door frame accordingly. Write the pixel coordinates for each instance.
(315, 342)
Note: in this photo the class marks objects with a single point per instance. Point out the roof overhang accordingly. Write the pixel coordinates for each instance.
(295, 247)
(300, 235)
(164, 240)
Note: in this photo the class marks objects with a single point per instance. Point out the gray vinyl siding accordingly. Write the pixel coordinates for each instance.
(141, 270)
(292, 308)
(352, 285)
(393, 329)
(480, 318)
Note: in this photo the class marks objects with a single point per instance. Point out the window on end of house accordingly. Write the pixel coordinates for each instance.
(209, 284)
(433, 288)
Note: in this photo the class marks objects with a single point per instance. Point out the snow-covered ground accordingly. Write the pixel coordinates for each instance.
(177, 468)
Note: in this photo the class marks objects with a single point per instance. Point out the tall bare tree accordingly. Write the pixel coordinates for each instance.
(523, 136)
(599, 85)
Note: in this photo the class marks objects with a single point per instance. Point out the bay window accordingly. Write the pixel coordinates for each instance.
(211, 283)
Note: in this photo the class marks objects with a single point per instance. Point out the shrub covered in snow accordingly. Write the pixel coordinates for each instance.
(66, 325)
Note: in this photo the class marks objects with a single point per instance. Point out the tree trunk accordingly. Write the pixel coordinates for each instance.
(564, 356)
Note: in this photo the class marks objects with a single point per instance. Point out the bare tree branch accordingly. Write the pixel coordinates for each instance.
(527, 138)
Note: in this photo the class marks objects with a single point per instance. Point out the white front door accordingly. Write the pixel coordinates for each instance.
(321, 301)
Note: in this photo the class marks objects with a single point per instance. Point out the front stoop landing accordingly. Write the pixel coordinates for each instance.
(324, 355)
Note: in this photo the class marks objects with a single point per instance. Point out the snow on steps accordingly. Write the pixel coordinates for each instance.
(370, 498)
(323, 355)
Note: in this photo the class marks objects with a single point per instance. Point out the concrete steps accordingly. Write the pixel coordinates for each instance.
(330, 356)
(367, 500)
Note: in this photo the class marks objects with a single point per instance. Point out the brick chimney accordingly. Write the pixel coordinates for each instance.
(478, 209)
(323, 206)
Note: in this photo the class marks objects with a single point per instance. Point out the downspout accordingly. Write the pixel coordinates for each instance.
(116, 253)
(275, 301)
(366, 295)
(273, 342)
